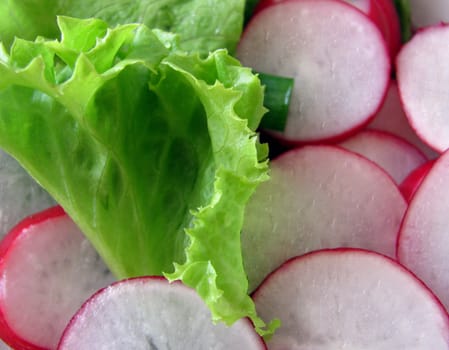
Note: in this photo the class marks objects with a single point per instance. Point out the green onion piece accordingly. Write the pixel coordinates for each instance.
(278, 92)
(403, 9)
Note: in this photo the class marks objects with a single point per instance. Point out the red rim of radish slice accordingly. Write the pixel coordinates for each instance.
(390, 25)
(360, 142)
(32, 219)
(8, 334)
(98, 293)
(415, 118)
(411, 183)
(427, 292)
(372, 221)
(358, 116)
(391, 118)
(139, 279)
(380, 12)
(340, 148)
(420, 200)
(344, 250)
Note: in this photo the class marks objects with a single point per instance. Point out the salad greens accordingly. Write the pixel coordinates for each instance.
(150, 149)
(202, 25)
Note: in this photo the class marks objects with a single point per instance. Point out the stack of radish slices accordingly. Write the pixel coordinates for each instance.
(47, 271)
(353, 235)
(346, 244)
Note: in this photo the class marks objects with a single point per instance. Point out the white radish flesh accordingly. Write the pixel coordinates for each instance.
(382, 13)
(423, 80)
(47, 270)
(336, 55)
(396, 156)
(423, 244)
(150, 313)
(319, 197)
(391, 117)
(351, 299)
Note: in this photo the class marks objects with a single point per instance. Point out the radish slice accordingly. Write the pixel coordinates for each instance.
(426, 13)
(396, 156)
(423, 244)
(423, 78)
(20, 195)
(391, 117)
(411, 183)
(319, 197)
(351, 299)
(47, 270)
(150, 313)
(337, 57)
(382, 13)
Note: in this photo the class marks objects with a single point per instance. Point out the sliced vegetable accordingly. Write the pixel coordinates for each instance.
(337, 57)
(423, 244)
(390, 25)
(423, 78)
(319, 197)
(47, 270)
(412, 182)
(393, 154)
(381, 12)
(149, 313)
(351, 299)
(391, 118)
(150, 150)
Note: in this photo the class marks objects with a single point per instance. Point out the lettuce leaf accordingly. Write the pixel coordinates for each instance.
(152, 151)
(203, 25)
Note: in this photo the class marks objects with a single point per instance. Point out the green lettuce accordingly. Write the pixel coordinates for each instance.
(202, 25)
(152, 151)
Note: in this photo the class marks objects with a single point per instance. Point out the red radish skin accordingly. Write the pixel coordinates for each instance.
(351, 299)
(389, 24)
(396, 156)
(391, 118)
(423, 244)
(8, 334)
(47, 270)
(383, 14)
(150, 313)
(263, 4)
(340, 80)
(319, 197)
(409, 186)
(423, 78)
